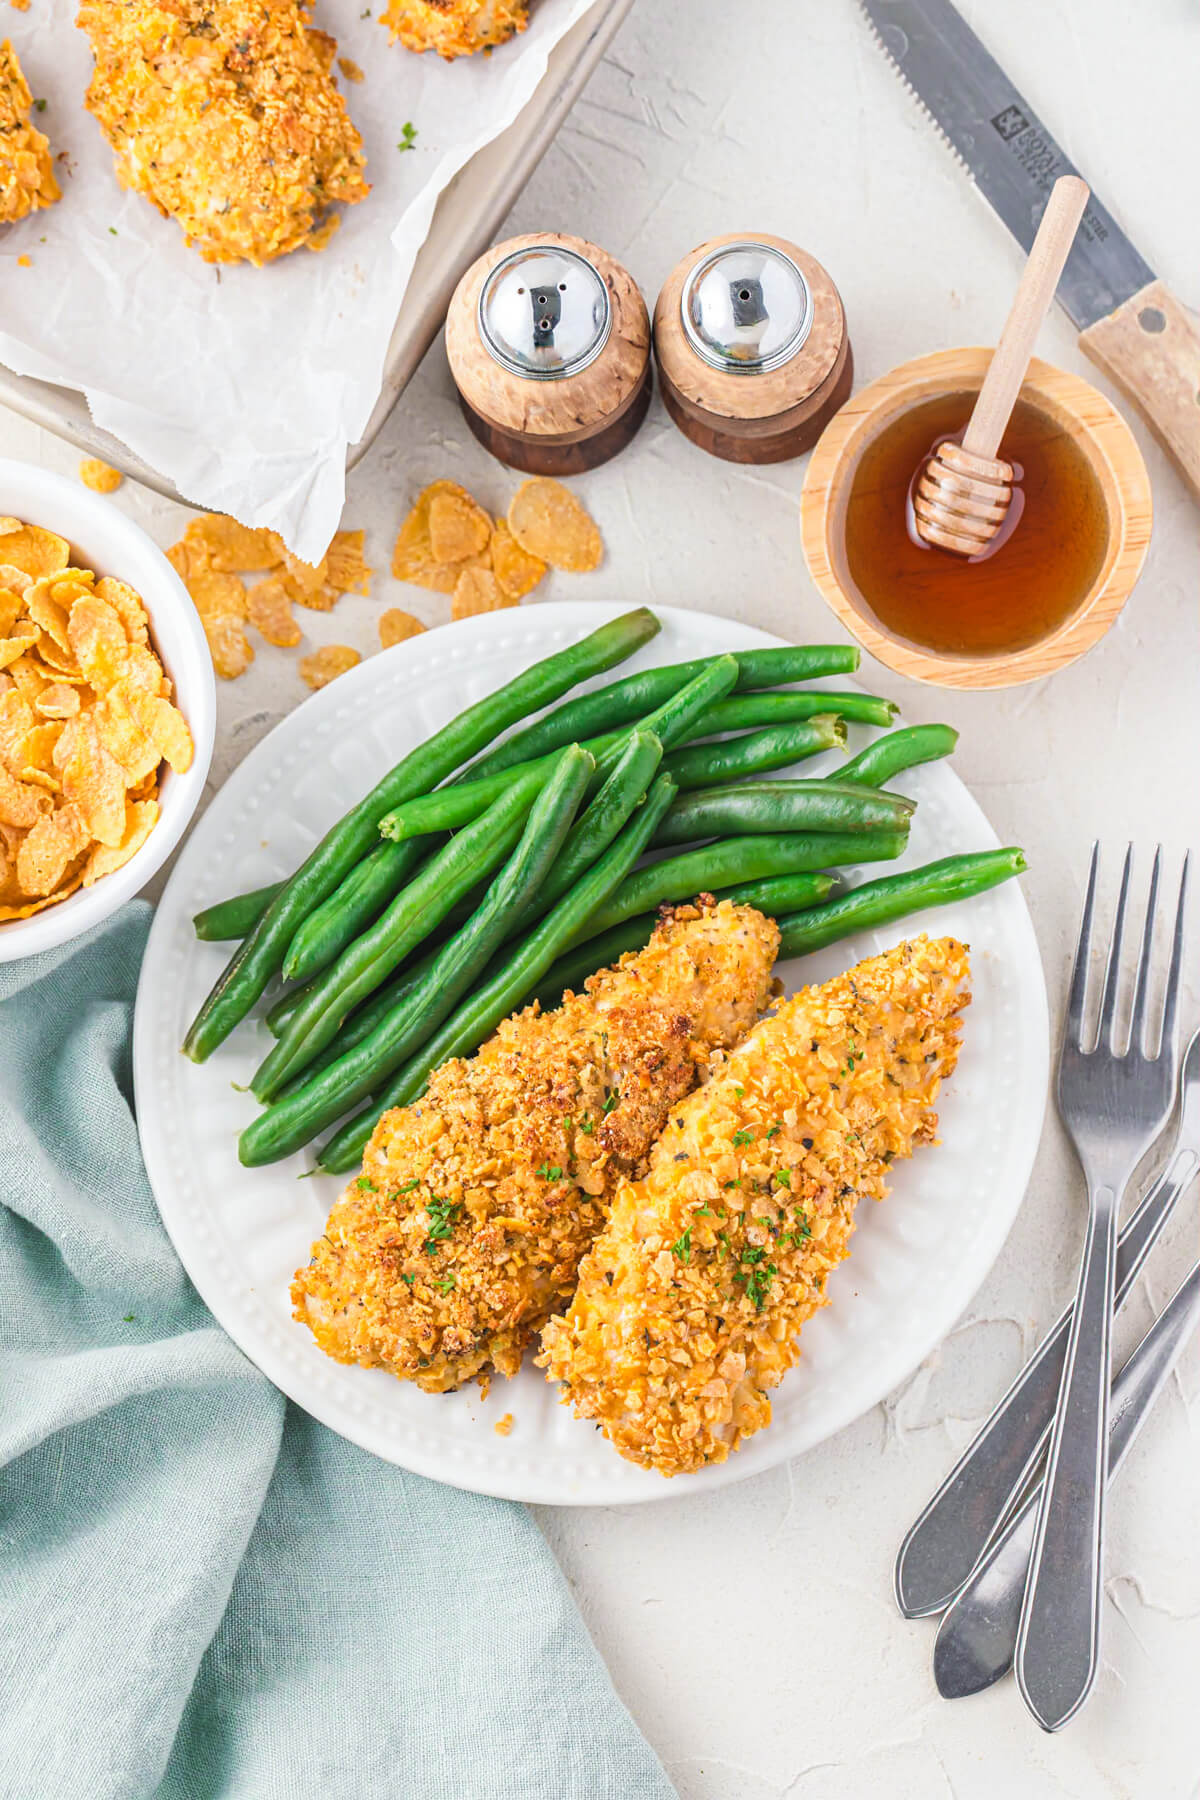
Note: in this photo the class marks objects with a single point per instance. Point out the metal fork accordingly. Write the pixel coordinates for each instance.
(1113, 1102)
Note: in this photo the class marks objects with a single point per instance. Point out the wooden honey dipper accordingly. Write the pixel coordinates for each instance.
(965, 490)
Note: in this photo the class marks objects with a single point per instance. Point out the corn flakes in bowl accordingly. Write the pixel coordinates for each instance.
(107, 709)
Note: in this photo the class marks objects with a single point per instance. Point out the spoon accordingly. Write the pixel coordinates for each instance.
(965, 489)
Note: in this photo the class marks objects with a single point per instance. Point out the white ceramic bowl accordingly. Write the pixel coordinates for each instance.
(104, 540)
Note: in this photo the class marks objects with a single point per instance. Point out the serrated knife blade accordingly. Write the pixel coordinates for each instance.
(1130, 323)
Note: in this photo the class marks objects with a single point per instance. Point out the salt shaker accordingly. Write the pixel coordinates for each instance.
(548, 340)
(752, 350)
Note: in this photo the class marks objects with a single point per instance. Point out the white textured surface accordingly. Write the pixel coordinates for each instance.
(753, 1632)
(242, 1233)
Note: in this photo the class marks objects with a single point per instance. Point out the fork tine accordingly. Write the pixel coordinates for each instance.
(1107, 1026)
(1073, 1029)
(1137, 1022)
(1169, 1042)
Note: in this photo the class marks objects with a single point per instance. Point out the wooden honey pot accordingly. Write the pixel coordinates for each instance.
(548, 340)
(752, 349)
(1045, 595)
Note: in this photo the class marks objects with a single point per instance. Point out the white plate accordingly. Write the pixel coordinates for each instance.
(241, 1233)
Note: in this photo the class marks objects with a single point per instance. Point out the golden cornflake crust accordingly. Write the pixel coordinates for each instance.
(547, 521)
(26, 170)
(454, 27)
(101, 477)
(474, 1206)
(477, 591)
(86, 722)
(227, 119)
(516, 570)
(322, 666)
(395, 625)
(690, 1301)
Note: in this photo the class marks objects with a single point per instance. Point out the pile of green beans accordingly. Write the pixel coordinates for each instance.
(459, 890)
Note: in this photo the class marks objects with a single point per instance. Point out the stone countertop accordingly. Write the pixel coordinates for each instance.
(753, 1633)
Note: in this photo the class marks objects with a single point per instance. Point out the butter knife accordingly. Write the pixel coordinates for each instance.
(1130, 323)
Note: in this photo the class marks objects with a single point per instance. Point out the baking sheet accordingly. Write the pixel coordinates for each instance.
(246, 386)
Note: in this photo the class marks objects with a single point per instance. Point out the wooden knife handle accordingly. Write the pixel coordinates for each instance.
(1151, 348)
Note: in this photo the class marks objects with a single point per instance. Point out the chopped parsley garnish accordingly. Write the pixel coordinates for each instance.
(739, 1091)
(442, 1214)
(408, 1186)
(784, 1177)
(409, 1278)
(732, 1182)
(39, 106)
(682, 1247)
(755, 1276)
(112, 231)
(774, 1130)
(723, 1240)
(549, 1172)
(129, 1319)
(611, 1100)
(586, 1124)
(408, 136)
(365, 1185)
(743, 1136)
(446, 1285)
(703, 1212)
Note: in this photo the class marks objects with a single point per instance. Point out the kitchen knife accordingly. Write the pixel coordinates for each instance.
(1130, 323)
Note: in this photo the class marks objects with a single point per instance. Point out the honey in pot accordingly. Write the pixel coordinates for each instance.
(1014, 596)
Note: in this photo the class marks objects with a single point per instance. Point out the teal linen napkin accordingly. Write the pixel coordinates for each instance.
(204, 1594)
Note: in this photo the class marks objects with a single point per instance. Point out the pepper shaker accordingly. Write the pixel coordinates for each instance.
(752, 350)
(548, 340)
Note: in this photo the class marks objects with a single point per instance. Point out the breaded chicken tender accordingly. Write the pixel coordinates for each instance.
(690, 1300)
(474, 1206)
(26, 171)
(226, 117)
(454, 27)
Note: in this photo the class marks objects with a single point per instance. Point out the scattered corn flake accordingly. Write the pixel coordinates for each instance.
(322, 666)
(59, 701)
(413, 559)
(217, 594)
(99, 476)
(547, 520)
(477, 591)
(304, 580)
(349, 69)
(395, 625)
(458, 525)
(49, 849)
(269, 609)
(230, 648)
(35, 552)
(231, 548)
(346, 569)
(516, 570)
(141, 816)
(128, 607)
(98, 639)
(503, 1426)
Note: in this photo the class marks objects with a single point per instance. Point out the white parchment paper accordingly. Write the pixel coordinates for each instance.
(245, 386)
